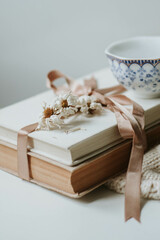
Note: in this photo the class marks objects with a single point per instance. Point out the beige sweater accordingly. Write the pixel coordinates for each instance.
(150, 184)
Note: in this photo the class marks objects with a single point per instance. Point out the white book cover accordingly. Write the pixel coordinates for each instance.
(97, 133)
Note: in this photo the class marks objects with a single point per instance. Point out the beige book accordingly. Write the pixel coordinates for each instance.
(78, 180)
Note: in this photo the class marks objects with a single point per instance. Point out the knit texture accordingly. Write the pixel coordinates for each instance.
(150, 183)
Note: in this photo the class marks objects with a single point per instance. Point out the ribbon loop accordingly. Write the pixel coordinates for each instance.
(55, 74)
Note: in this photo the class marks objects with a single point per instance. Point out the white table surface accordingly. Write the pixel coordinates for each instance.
(28, 211)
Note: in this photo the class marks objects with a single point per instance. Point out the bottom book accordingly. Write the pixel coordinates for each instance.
(78, 180)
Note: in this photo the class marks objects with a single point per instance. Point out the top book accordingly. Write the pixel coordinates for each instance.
(97, 133)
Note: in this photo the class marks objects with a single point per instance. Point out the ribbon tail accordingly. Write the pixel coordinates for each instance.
(132, 203)
(133, 182)
(133, 178)
(22, 140)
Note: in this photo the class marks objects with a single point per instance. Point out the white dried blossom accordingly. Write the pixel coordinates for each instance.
(84, 109)
(68, 98)
(72, 100)
(50, 123)
(41, 123)
(68, 111)
(56, 120)
(58, 101)
(96, 106)
(64, 106)
(81, 102)
(87, 99)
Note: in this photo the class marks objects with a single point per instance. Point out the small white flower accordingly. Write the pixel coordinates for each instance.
(84, 109)
(41, 123)
(96, 106)
(55, 120)
(72, 100)
(57, 104)
(68, 99)
(89, 99)
(66, 112)
(81, 101)
(50, 123)
(64, 106)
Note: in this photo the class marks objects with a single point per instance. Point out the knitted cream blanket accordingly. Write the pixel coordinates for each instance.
(150, 183)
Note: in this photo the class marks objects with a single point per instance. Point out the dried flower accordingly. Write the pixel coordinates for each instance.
(64, 103)
(66, 112)
(48, 112)
(96, 106)
(64, 106)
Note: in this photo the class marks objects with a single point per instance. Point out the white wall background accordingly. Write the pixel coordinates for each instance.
(70, 35)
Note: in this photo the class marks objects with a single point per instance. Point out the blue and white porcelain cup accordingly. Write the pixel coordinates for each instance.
(135, 62)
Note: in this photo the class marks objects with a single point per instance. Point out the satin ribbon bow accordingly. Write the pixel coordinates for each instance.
(130, 123)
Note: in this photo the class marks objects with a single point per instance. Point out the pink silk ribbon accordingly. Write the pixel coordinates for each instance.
(130, 123)
(22, 141)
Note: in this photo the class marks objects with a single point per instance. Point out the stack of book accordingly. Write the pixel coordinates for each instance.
(68, 161)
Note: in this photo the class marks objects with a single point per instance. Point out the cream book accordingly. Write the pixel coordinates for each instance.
(96, 133)
(78, 180)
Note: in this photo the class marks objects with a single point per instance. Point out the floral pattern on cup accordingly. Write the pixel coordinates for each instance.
(142, 76)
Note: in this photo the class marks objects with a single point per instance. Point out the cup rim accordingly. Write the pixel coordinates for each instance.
(127, 40)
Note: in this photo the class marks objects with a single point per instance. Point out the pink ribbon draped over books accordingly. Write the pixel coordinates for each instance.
(130, 123)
